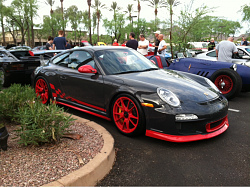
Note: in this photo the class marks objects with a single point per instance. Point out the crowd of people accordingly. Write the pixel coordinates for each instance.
(142, 45)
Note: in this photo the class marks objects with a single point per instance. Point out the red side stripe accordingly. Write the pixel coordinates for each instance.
(86, 111)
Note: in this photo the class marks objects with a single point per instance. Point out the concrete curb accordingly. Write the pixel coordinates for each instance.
(97, 168)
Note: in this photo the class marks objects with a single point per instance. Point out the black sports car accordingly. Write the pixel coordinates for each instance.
(17, 65)
(119, 84)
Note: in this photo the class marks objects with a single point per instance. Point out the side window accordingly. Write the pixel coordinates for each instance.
(212, 54)
(62, 60)
(80, 58)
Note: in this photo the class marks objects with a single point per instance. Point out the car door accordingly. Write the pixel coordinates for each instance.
(81, 88)
(237, 58)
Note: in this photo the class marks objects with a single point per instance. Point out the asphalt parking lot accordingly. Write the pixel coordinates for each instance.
(220, 161)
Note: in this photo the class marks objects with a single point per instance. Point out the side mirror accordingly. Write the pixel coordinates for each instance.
(246, 57)
(87, 69)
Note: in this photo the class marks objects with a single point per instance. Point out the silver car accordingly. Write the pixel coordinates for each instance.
(242, 57)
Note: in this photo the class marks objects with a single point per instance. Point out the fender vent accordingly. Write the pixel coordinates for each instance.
(202, 73)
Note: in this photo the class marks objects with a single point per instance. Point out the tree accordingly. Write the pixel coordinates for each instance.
(115, 27)
(129, 11)
(115, 8)
(156, 4)
(1, 20)
(62, 12)
(50, 3)
(74, 16)
(138, 18)
(89, 4)
(245, 11)
(97, 6)
(171, 4)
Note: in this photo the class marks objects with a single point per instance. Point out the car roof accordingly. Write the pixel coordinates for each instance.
(100, 48)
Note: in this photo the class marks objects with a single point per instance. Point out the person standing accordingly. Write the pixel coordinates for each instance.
(49, 45)
(132, 43)
(162, 46)
(143, 45)
(225, 50)
(59, 42)
(157, 42)
(211, 45)
(124, 43)
(68, 46)
(115, 43)
(244, 42)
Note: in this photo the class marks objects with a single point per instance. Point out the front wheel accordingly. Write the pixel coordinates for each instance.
(128, 115)
(42, 89)
(228, 82)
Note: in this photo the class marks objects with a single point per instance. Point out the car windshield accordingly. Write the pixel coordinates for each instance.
(247, 49)
(123, 61)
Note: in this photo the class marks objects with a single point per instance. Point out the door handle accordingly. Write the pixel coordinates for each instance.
(63, 77)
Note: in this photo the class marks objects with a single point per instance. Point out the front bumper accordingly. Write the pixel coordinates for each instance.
(188, 138)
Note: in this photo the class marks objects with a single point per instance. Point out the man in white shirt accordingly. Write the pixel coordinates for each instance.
(143, 45)
(162, 46)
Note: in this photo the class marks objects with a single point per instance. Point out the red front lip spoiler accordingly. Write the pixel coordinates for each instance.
(188, 138)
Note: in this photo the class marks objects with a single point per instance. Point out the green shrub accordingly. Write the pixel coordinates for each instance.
(14, 97)
(41, 123)
(0, 80)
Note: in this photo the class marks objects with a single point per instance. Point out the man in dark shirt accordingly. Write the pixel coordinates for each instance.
(211, 45)
(59, 42)
(132, 43)
(244, 43)
(157, 42)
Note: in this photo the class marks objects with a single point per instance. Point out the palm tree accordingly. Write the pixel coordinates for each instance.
(90, 37)
(62, 15)
(1, 15)
(156, 4)
(129, 11)
(138, 19)
(172, 3)
(97, 6)
(50, 3)
(114, 8)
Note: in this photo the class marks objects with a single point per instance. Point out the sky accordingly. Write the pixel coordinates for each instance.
(227, 9)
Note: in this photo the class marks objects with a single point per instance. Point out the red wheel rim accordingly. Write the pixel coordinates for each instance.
(125, 114)
(42, 90)
(224, 83)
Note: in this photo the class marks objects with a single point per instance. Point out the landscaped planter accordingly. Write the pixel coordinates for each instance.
(3, 138)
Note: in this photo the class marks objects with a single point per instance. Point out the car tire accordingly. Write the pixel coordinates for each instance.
(128, 115)
(42, 89)
(4, 80)
(228, 82)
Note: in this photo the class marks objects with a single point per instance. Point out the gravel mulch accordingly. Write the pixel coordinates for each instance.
(28, 166)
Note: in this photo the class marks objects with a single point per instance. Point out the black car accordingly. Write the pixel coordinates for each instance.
(16, 66)
(119, 84)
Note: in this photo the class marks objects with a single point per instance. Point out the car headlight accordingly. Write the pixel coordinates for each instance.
(169, 97)
(212, 85)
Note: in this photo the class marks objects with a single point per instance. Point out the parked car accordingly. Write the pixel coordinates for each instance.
(39, 48)
(101, 44)
(120, 84)
(20, 48)
(229, 78)
(17, 65)
(242, 57)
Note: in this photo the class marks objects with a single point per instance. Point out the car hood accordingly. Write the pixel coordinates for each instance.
(184, 87)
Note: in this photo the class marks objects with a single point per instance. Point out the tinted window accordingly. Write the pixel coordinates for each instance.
(212, 54)
(74, 60)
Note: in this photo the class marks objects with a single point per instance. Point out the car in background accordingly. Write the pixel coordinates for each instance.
(101, 44)
(242, 57)
(120, 84)
(229, 78)
(198, 46)
(39, 48)
(16, 66)
(20, 48)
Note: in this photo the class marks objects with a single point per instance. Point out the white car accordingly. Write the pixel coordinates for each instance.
(242, 57)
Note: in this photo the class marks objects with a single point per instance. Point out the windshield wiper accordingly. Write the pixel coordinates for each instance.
(150, 69)
(124, 72)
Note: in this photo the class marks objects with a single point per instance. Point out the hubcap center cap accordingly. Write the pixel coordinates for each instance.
(126, 114)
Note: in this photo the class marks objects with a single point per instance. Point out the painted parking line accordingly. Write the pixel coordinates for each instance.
(233, 110)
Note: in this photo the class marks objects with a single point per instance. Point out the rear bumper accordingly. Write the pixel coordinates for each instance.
(188, 138)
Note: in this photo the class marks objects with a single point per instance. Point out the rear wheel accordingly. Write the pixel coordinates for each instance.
(42, 89)
(228, 82)
(128, 115)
